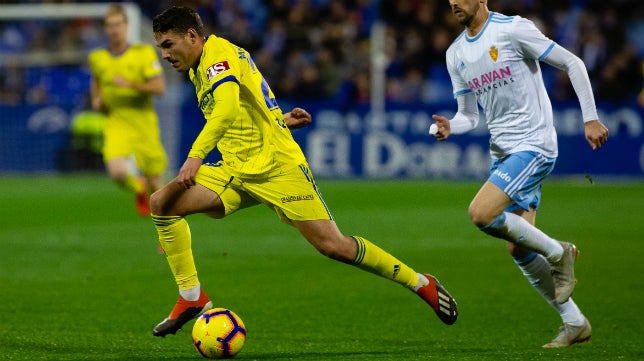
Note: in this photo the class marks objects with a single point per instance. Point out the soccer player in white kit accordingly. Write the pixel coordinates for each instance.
(495, 61)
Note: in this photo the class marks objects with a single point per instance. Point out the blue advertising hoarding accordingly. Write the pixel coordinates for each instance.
(33, 138)
(355, 144)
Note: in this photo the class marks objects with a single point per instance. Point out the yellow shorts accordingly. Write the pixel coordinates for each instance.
(293, 194)
(148, 152)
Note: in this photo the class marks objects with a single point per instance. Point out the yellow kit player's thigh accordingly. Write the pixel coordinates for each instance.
(116, 144)
(293, 195)
(150, 157)
(215, 177)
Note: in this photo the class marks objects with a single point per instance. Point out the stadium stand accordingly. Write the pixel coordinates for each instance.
(318, 49)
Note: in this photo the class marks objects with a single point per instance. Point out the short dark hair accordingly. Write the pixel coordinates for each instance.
(178, 19)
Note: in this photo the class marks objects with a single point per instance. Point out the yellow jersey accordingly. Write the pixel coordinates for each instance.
(128, 111)
(243, 119)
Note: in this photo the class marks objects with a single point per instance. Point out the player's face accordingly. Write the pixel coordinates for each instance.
(178, 49)
(115, 26)
(464, 10)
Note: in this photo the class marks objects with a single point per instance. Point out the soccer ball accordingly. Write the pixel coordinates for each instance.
(218, 333)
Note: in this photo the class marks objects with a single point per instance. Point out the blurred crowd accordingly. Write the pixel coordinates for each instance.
(320, 49)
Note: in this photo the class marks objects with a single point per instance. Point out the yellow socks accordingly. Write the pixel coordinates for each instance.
(174, 236)
(373, 259)
(133, 184)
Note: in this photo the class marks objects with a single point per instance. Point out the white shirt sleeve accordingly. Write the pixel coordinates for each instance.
(531, 42)
(459, 85)
(563, 59)
(467, 116)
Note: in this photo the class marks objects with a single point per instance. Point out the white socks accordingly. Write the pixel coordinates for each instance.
(422, 281)
(537, 270)
(526, 235)
(191, 294)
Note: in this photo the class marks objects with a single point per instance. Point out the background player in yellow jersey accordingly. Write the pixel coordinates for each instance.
(124, 79)
(261, 164)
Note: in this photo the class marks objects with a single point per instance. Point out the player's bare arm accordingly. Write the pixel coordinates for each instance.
(297, 118)
(596, 133)
(154, 86)
(96, 96)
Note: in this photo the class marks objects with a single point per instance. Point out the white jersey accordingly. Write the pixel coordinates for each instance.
(500, 66)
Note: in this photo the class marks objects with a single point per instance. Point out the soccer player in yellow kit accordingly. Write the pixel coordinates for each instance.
(261, 164)
(124, 79)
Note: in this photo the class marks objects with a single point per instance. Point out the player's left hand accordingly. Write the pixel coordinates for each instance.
(186, 177)
(596, 133)
(297, 118)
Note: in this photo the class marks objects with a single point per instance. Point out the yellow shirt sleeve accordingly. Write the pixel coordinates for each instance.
(153, 68)
(226, 109)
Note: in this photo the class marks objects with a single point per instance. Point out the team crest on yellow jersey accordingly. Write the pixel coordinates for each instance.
(494, 53)
(217, 69)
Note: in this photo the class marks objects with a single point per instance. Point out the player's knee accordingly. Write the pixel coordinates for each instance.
(479, 217)
(496, 227)
(118, 177)
(156, 204)
(117, 172)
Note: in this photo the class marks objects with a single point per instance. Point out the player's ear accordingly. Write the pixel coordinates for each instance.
(192, 35)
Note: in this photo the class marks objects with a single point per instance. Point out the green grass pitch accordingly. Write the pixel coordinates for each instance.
(81, 279)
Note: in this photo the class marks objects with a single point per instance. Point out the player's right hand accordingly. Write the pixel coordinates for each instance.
(443, 127)
(186, 177)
